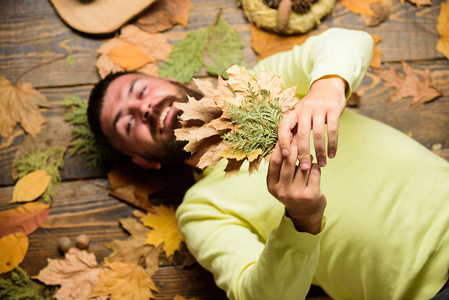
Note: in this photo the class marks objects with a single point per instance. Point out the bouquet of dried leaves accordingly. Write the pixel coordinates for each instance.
(238, 120)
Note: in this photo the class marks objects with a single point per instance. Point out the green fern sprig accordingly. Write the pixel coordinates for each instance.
(50, 160)
(258, 120)
(20, 287)
(84, 140)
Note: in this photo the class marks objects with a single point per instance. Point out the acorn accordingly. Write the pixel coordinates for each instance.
(82, 241)
(64, 244)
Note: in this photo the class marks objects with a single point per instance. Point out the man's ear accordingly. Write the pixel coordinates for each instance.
(144, 163)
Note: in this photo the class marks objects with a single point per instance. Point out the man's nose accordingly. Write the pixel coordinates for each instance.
(143, 109)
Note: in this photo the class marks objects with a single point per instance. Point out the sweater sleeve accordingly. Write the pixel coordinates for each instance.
(342, 52)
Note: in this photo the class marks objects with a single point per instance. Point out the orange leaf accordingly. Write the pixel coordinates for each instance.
(25, 218)
(125, 281)
(165, 229)
(13, 249)
(421, 91)
(376, 61)
(266, 43)
(443, 30)
(20, 104)
(77, 274)
(359, 6)
(31, 186)
(381, 10)
(129, 57)
(164, 14)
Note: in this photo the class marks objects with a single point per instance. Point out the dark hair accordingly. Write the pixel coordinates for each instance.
(96, 100)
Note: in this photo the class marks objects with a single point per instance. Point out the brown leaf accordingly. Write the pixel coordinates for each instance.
(164, 14)
(443, 30)
(179, 297)
(154, 46)
(133, 184)
(124, 281)
(20, 104)
(31, 186)
(195, 109)
(353, 101)
(165, 229)
(133, 250)
(129, 57)
(25, 218)
(418, 3)
(13, 248)
(381, 10)
(376, 61)
(410, 85)
(77, 274)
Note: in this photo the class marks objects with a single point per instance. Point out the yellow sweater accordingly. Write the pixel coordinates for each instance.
(387, 216)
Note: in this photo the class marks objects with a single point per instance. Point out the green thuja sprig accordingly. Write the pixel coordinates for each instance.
(220, 44)
(258, 119)
(50, 160)
(83, 138)
(20, 287)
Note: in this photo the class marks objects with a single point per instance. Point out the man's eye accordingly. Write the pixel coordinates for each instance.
(130, 122)
(142, 92)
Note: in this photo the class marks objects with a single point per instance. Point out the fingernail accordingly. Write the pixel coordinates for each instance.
(305, 166)
(331, 155)
(285, 152)
(322, 164)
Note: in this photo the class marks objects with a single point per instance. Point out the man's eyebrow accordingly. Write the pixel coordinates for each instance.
(119, 114)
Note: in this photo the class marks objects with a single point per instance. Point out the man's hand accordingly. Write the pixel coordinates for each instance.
(298, 190)
(323, 104)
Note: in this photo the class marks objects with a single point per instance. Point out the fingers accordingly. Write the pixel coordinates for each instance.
(332, 134)
(303, 140)
(314, 179)
(319, 140)
(285, 133)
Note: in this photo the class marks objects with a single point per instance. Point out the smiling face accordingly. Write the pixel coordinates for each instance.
(138, 117)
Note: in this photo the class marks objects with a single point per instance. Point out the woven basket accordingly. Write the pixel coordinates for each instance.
(266, 18)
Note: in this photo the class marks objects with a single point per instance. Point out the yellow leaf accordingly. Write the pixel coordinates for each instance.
(443, 30)
(124, 281)
(360, 6)
(13, 248)
(376, 61)
(165, 229)
(232, 153)
(129, 57)
(31, 186)
(20, 104)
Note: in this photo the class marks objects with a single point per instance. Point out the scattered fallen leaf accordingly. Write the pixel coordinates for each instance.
(133, 184)
(164, 14)
(20, 104)
(25, 218)
(31, 186)
(13, 248)
(133, 250)
(165, 229)
(124, 281)
(443, 30)
(418, 3)
(129, 57)
(155, 46)
(376, 61)
(77, 274)
(265, 43)
(179, 297)
(381, 9)
(242, 98)
(410, 85)
(361, 7)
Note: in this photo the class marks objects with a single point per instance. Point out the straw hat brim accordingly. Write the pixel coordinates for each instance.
(98, 16)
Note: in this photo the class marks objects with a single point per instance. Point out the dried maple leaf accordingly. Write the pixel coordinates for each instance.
(132, 184)
(258, 100)
(26, 218)
(362, 7)
(20, 104)
(410, 85)
(77, 274)
(443, 30)
(265, 43)
(154, 46)
(13, 248)
(418, 3)
(133, 250)
(124, 281)
(129, 57)
(164, 14)
(31, 186)
(165, 229)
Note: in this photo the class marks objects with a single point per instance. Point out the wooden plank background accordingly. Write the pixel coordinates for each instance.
(32, 34)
